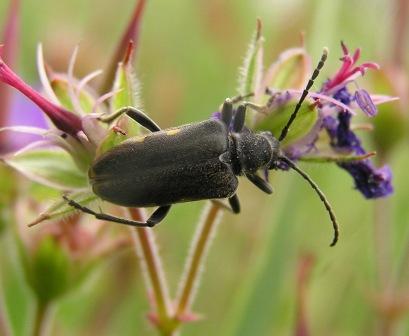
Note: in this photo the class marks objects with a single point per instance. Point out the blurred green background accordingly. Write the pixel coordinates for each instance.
(187, 61)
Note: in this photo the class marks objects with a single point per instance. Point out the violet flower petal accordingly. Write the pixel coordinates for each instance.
(364, 101)
(371, 182)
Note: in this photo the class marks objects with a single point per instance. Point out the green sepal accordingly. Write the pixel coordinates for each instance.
(291, 70)
(306, 119)
(111, 140)
(60, 208)
(61, 90)
(52, 167)
(251, 70)
(126, 86)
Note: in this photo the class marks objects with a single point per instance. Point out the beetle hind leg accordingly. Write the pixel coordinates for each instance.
(157, 216)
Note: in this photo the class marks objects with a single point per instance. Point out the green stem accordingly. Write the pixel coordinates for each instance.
(194, 265)
(42, 320)
(154, 274)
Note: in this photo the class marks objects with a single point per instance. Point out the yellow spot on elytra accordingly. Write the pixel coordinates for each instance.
(173, 131)
(140, 138)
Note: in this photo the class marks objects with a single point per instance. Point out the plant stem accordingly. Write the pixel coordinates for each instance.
(42, 319)
(194, 265)
(147, 251)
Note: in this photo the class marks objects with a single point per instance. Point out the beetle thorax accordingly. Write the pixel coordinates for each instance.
(253, 151)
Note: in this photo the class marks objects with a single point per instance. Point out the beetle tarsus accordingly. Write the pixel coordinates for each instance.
(141, 118)
(235, 204)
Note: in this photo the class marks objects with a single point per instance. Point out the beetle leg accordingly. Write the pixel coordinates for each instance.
(141, 118)
(227, 112)
(239, 119)
(233, 202)
(157, 216)
(260, 183)
(137, 115)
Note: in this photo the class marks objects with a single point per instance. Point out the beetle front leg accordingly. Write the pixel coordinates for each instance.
(157, 216)
(227, 112)
(137, 115)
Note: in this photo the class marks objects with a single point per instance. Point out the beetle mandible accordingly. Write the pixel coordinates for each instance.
(193, 162)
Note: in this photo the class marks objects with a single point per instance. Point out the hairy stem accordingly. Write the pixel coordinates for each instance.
(157, 286)
(194, 265)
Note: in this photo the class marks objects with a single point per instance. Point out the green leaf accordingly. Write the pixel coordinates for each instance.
(52, 167)
(302, 125)
(251, 71)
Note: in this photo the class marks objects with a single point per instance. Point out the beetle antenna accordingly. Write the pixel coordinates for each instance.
(304, 94)
(321, 195)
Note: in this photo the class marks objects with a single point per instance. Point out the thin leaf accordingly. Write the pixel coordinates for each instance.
(52, 167)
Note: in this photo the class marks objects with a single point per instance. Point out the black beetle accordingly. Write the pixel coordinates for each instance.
(193, 162)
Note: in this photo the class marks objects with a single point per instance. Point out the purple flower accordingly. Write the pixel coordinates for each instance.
(369, 180)
(348, 69)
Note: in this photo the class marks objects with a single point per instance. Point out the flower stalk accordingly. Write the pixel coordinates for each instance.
(156, 282)
(42, 319)
(194, 265)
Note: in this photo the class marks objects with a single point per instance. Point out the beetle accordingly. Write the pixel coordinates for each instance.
(197, 161)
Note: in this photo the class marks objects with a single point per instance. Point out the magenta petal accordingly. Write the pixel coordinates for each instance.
(10, 38)
(357, 54)
(64, 120)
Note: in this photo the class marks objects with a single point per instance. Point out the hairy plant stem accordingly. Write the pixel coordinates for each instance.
(195, 261)
(42, 319)
(166, 319)
(156, 283)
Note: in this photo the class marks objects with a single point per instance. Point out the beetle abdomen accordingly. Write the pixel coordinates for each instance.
(171, 166)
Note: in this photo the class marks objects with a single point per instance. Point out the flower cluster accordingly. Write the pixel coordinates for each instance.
(322, 131)
(372, 182)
